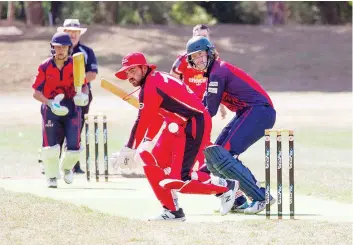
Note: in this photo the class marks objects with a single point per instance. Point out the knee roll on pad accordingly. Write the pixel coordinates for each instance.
(224, 163)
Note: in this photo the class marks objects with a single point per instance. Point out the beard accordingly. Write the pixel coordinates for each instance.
(134, 82)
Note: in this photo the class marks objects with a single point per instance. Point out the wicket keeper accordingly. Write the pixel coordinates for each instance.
(240, 93)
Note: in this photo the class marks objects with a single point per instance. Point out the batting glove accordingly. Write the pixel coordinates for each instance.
(126, 158)
(55, 106)
(81, 99)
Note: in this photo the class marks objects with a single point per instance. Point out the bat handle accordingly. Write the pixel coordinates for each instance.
(79, 90)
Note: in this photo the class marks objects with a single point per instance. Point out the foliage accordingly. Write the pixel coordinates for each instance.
(80, 10)
(190, 13)
(320, 12)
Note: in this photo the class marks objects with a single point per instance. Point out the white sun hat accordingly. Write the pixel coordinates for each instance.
(72, 24)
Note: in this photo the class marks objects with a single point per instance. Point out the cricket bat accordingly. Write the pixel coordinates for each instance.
(79, 71)
(120, 92)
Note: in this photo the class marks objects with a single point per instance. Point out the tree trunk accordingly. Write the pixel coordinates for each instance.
(112, 12)
(106, 12)
(34, 13)
(55, 9)
(329, 12)
(11, 12)
(0, 10)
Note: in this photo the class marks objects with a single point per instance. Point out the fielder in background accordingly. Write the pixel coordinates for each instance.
(74, 29)
(193, 78)
(60, 109)
(240, 93)
(163, 94)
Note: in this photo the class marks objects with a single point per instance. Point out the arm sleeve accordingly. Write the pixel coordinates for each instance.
(178, 66)
(149, 109)
(155, 127)
(39, 80)
(213, 95)
(92, 64)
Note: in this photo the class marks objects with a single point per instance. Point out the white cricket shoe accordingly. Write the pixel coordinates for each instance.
(258, 206)
(52, 183)
(228, 198)
(68, 176)
(168, 215)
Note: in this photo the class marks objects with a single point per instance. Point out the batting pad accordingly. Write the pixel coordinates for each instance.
(69, 159)
(224, 163)
(213, 170)
(50, 157)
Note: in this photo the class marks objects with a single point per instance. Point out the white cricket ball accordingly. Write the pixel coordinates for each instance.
(173, 127)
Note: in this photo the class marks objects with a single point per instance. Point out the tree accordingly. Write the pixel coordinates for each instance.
(11, 10)
(334, 13)
(105, 12)
(55, 10)
(34, 13)
(112, 11)
(0, 10)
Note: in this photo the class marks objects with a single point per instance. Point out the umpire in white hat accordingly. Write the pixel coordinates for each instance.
(74, 29)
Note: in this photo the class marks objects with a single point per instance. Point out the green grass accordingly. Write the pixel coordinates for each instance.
(324, 138)
(38, 221)
(322, 157)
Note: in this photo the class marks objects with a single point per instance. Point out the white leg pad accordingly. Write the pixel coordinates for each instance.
(50, 157)
(69, 159)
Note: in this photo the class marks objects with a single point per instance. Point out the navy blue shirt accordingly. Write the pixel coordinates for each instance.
(233, 88)
(90, 58)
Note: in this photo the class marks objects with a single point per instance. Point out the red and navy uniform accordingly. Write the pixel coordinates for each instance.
(162, 95)
(51, 81)
(240, 93)
(194, 79)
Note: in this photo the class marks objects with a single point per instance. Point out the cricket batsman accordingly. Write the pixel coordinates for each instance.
(60, 109)
(161, 96)
(254, 109)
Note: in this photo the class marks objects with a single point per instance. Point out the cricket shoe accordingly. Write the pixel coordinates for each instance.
(228, 198)
(240, 203)
(168, 215)
(68, 176)
(52, 183)
(258, 206)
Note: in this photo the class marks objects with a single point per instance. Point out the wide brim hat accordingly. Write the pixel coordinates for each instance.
(132, 60)
(73, 25)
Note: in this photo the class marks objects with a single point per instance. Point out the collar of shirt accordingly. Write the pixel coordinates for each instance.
(54, 64)
(76, 48)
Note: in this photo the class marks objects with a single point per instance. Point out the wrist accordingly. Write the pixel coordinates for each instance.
(48, 103)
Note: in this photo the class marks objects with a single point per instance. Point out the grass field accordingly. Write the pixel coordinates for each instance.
(35, 220)
(311, 96)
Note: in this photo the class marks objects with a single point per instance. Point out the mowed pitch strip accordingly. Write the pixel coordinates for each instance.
(134, 199)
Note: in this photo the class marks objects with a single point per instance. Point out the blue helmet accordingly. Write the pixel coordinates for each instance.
(60, 39)
(199, 43)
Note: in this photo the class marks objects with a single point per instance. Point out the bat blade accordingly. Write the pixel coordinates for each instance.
(120, 92)
(79, 71)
